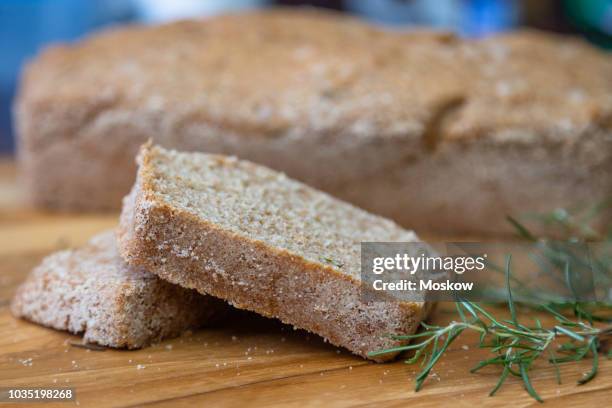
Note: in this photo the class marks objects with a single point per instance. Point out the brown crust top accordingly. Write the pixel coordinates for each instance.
(529, 83)
(285, 72)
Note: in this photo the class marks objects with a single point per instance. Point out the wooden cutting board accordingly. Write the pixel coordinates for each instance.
(251, 361)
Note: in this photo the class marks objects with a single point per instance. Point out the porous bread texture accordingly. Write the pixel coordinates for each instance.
(263, 242)
(426, 129)
(91, 290)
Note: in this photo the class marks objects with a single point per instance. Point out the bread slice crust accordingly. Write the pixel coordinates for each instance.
(250, 273)
(91, 291)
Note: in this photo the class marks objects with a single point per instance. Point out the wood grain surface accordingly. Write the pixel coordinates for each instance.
(248, 361)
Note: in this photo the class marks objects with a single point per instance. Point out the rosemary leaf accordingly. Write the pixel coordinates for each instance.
(510, 300)
(501, 380)
(527, 382)
(522, 231)
(593, 372)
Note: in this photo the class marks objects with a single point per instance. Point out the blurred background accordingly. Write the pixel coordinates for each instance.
(28, 25)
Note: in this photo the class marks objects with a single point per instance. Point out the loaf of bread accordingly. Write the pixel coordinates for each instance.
(91, 291)
(263, 242)
(435, 132)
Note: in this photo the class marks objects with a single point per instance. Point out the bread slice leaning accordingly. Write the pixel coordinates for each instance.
(263, 242)
(91, 290)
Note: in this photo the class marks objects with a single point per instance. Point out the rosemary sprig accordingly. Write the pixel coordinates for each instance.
(515, 347)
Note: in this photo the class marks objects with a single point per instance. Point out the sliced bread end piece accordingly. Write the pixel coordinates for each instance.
(91, 291)
(263, 242)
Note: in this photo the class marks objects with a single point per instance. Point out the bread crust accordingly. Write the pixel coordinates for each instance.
(91, 291)
(333, 102)
(252, 274)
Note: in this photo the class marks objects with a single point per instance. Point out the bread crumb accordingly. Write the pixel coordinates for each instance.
(26, 362)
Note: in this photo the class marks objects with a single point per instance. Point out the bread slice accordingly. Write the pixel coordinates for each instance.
(476, 129)
(263, 242)
(91, 290)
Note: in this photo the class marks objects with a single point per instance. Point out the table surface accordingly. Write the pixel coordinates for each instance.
(249, 361)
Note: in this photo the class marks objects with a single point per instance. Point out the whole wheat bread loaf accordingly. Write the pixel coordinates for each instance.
(91, 291)
(435, 132)
(263, 242)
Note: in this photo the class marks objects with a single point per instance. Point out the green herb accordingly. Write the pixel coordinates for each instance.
(514, 346)
(328, 260)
